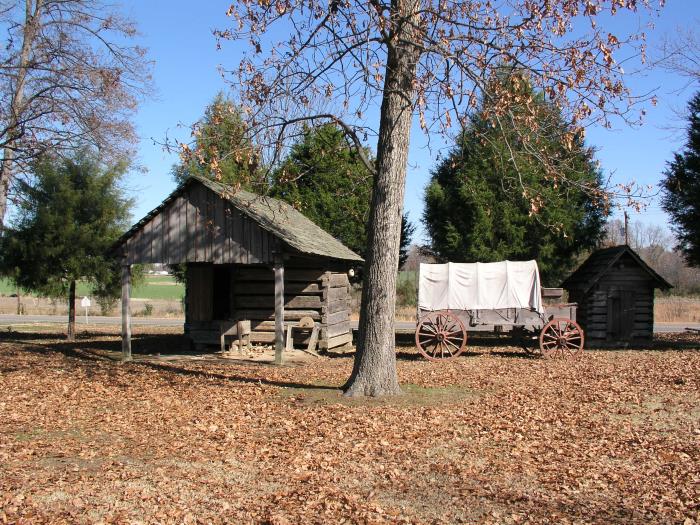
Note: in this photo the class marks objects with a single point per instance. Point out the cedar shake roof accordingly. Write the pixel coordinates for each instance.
(598, 264)
(273, 215)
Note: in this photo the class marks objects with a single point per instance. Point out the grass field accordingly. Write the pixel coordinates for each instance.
(162, 287)
(493, 437)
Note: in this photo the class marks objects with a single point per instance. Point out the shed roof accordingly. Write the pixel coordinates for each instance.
(599, 263)
(273, 215)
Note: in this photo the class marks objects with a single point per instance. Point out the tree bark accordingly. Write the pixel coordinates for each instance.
(71, 312)
(374, 370)
(126, 311)
(32, 18)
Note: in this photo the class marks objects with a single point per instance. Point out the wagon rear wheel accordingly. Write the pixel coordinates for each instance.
(561, 338)
(441, 335)
(526, 339)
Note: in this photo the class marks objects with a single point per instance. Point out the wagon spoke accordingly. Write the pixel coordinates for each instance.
(439, 322)
(452, 327)
(451, 343)
(429, 327)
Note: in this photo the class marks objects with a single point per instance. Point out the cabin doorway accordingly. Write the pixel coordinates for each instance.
(221, 293)
(620, 314)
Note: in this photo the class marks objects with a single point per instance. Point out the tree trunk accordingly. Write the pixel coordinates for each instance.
(71, 312)
(374, 370)
(32, 19)
(5, 174)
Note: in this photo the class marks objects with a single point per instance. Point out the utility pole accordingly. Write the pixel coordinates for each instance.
(627, 237)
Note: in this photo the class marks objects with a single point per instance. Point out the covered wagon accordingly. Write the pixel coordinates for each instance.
(455, 296)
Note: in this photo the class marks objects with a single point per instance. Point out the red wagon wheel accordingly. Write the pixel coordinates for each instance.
(561, 338)
(441, 335)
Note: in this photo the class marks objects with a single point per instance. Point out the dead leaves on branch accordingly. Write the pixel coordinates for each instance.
(490, 438)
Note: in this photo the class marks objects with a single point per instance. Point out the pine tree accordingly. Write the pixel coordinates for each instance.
(324, 178)
(492, 199)
(63, 229)
(223, 150)
(681, 189)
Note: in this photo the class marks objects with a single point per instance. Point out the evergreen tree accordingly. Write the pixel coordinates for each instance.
(65, 224)
(223, 150)
(324, 178)
(494, 198)
(681, 189)
(408, 229)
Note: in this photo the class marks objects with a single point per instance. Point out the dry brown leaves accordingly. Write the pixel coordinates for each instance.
(490, 438)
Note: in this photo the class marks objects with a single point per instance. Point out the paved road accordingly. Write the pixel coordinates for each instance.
(153, 321)
(80, 319)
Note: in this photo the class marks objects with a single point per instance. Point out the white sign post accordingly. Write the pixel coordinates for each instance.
(85, 303)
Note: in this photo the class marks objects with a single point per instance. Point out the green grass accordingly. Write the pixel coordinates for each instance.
(408, 276)
(160, 287)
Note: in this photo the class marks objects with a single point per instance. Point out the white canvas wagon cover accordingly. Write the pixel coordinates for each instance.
(480, 286)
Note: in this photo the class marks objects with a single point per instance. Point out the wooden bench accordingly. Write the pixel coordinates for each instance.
(239, 329)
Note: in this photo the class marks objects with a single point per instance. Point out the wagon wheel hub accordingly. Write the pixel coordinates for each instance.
(440, 336)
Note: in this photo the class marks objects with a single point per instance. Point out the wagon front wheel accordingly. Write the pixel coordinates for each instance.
(441, 335)
(561, 338)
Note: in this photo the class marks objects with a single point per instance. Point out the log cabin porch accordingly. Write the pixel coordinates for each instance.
(248, 258)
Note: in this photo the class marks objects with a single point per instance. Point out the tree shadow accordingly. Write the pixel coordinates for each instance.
(237, 378)
(90, 351)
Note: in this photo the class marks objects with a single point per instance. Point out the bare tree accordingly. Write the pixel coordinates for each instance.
(69, 76)
(359, 62)
(680, 54)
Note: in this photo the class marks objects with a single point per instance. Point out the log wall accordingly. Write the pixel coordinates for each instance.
(309, 292)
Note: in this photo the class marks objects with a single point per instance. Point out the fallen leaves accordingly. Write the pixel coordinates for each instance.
(491, 438)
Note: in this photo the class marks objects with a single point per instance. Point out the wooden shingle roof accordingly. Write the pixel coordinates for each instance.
(273, 215)
(597, 265)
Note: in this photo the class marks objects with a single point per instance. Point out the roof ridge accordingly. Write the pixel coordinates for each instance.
(618, 252)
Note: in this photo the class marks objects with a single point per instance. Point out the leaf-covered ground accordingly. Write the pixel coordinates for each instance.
(492, 437)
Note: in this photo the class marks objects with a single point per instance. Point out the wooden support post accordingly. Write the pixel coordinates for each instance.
(126, 312)
(279, 312)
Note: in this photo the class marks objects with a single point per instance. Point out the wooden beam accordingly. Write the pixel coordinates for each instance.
(279, 311)
(126, 312)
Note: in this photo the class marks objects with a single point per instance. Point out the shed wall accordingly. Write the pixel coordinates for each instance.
(619, 308)
(198, 226)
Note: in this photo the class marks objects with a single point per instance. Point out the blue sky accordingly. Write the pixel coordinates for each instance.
(179, 37)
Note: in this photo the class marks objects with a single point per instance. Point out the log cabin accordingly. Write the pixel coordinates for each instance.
(614, 289)
(248, 257)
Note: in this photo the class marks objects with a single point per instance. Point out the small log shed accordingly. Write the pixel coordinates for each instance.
(614, 289)
(248, 257)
